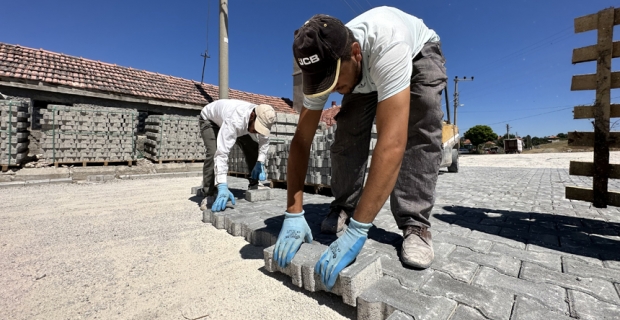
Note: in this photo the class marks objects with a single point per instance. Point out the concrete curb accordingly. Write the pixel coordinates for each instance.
(34, 182)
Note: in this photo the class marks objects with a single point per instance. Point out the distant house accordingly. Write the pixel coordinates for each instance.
(553, 139)
(329, 114)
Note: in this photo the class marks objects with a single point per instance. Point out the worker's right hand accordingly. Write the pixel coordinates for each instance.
(223, 195)
(258, 173)
(294, 231)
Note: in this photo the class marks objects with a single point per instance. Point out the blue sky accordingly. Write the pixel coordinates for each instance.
(519, 52)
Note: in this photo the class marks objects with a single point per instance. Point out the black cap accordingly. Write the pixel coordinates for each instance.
(317, 48)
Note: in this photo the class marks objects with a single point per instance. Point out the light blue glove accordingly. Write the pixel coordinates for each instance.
(342, 252)
(294, 231)
(258, 173)
(223, 194)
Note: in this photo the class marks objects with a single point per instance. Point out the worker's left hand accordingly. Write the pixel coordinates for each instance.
(223, 195)
(342, 252)
(258, 173)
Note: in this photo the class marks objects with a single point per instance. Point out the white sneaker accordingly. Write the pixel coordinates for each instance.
(206, 203)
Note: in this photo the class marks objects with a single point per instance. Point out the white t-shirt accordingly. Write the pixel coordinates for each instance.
(389, 39)
(232, 116)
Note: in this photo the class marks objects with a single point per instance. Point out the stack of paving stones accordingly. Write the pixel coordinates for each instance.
(87, 133)
(513, 248)
(319, 161)
(173, 138)
(14, 132)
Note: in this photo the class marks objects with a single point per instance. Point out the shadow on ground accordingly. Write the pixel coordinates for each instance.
(580, 236)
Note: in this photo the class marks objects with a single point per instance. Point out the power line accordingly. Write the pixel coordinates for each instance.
(345, 1)
(535, 115)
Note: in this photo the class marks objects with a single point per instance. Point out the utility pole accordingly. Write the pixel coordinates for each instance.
(204, 62)
(456, 93)
(223, 79)
(507, 131)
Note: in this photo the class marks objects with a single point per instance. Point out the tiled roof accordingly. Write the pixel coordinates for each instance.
(328, 115)
(19, 63)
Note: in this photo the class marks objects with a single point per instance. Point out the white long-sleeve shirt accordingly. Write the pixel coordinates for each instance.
(232, 116)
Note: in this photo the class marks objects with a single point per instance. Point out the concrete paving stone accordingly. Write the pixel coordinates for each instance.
(459, 269)
(505, 224)
(497, 239)
(504, 264)
(352, 280)
(583, 269)
(580, 254)
(258, 195)
(464, 312)
(482, 246)
(587, 307)
(551, 296)
(548, 260)
(601, 289)
(233, 228)
(407, 277)
(387, 296)
(239, 226)
(529, 309)
(494, 304)
(611, 260)
(398, 315)
(61, 180)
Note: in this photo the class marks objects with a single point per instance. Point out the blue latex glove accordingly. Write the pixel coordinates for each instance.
(294, 231)
(342, 252)
(223, 194)
(258, 173)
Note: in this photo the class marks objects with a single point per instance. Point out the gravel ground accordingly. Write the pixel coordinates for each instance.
(135, 250)
(138, 250)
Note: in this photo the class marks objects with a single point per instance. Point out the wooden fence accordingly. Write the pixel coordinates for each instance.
(603, 81)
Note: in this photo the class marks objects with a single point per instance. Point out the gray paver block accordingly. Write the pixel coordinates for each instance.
(259, 195)
(579, 268)
(494, 304)
(587, 307)
(61, 180)
(548, 260)
(463, 312)
(601, 289)
(351, 282)
(398, 315)
(387, 296)
(529, 309)
(550, 295)
(195, 190)
(501, 263)
(410, 278)
(100, 178)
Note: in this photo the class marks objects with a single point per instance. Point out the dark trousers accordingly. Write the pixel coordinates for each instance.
(209, 131)
(413, 196)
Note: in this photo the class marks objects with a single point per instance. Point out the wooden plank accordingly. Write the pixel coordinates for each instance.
(590, 22)
(588, 81)
(587, 194)
(586, 139)
(582, 168)
(587, 112)
(590, 53)
(600, 179)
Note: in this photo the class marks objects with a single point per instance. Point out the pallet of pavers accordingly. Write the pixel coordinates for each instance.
(173, 138)
(88, 134)
(13, 132)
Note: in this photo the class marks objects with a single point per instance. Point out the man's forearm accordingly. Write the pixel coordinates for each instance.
(384, 167)
(297, 167)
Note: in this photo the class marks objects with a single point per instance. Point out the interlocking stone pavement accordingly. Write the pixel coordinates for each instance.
(508, 245)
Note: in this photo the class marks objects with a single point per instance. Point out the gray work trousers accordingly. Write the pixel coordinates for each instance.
(413, 196)
(209, 131)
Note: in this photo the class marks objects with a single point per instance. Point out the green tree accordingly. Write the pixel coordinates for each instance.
(562, 135)
(480, 134)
